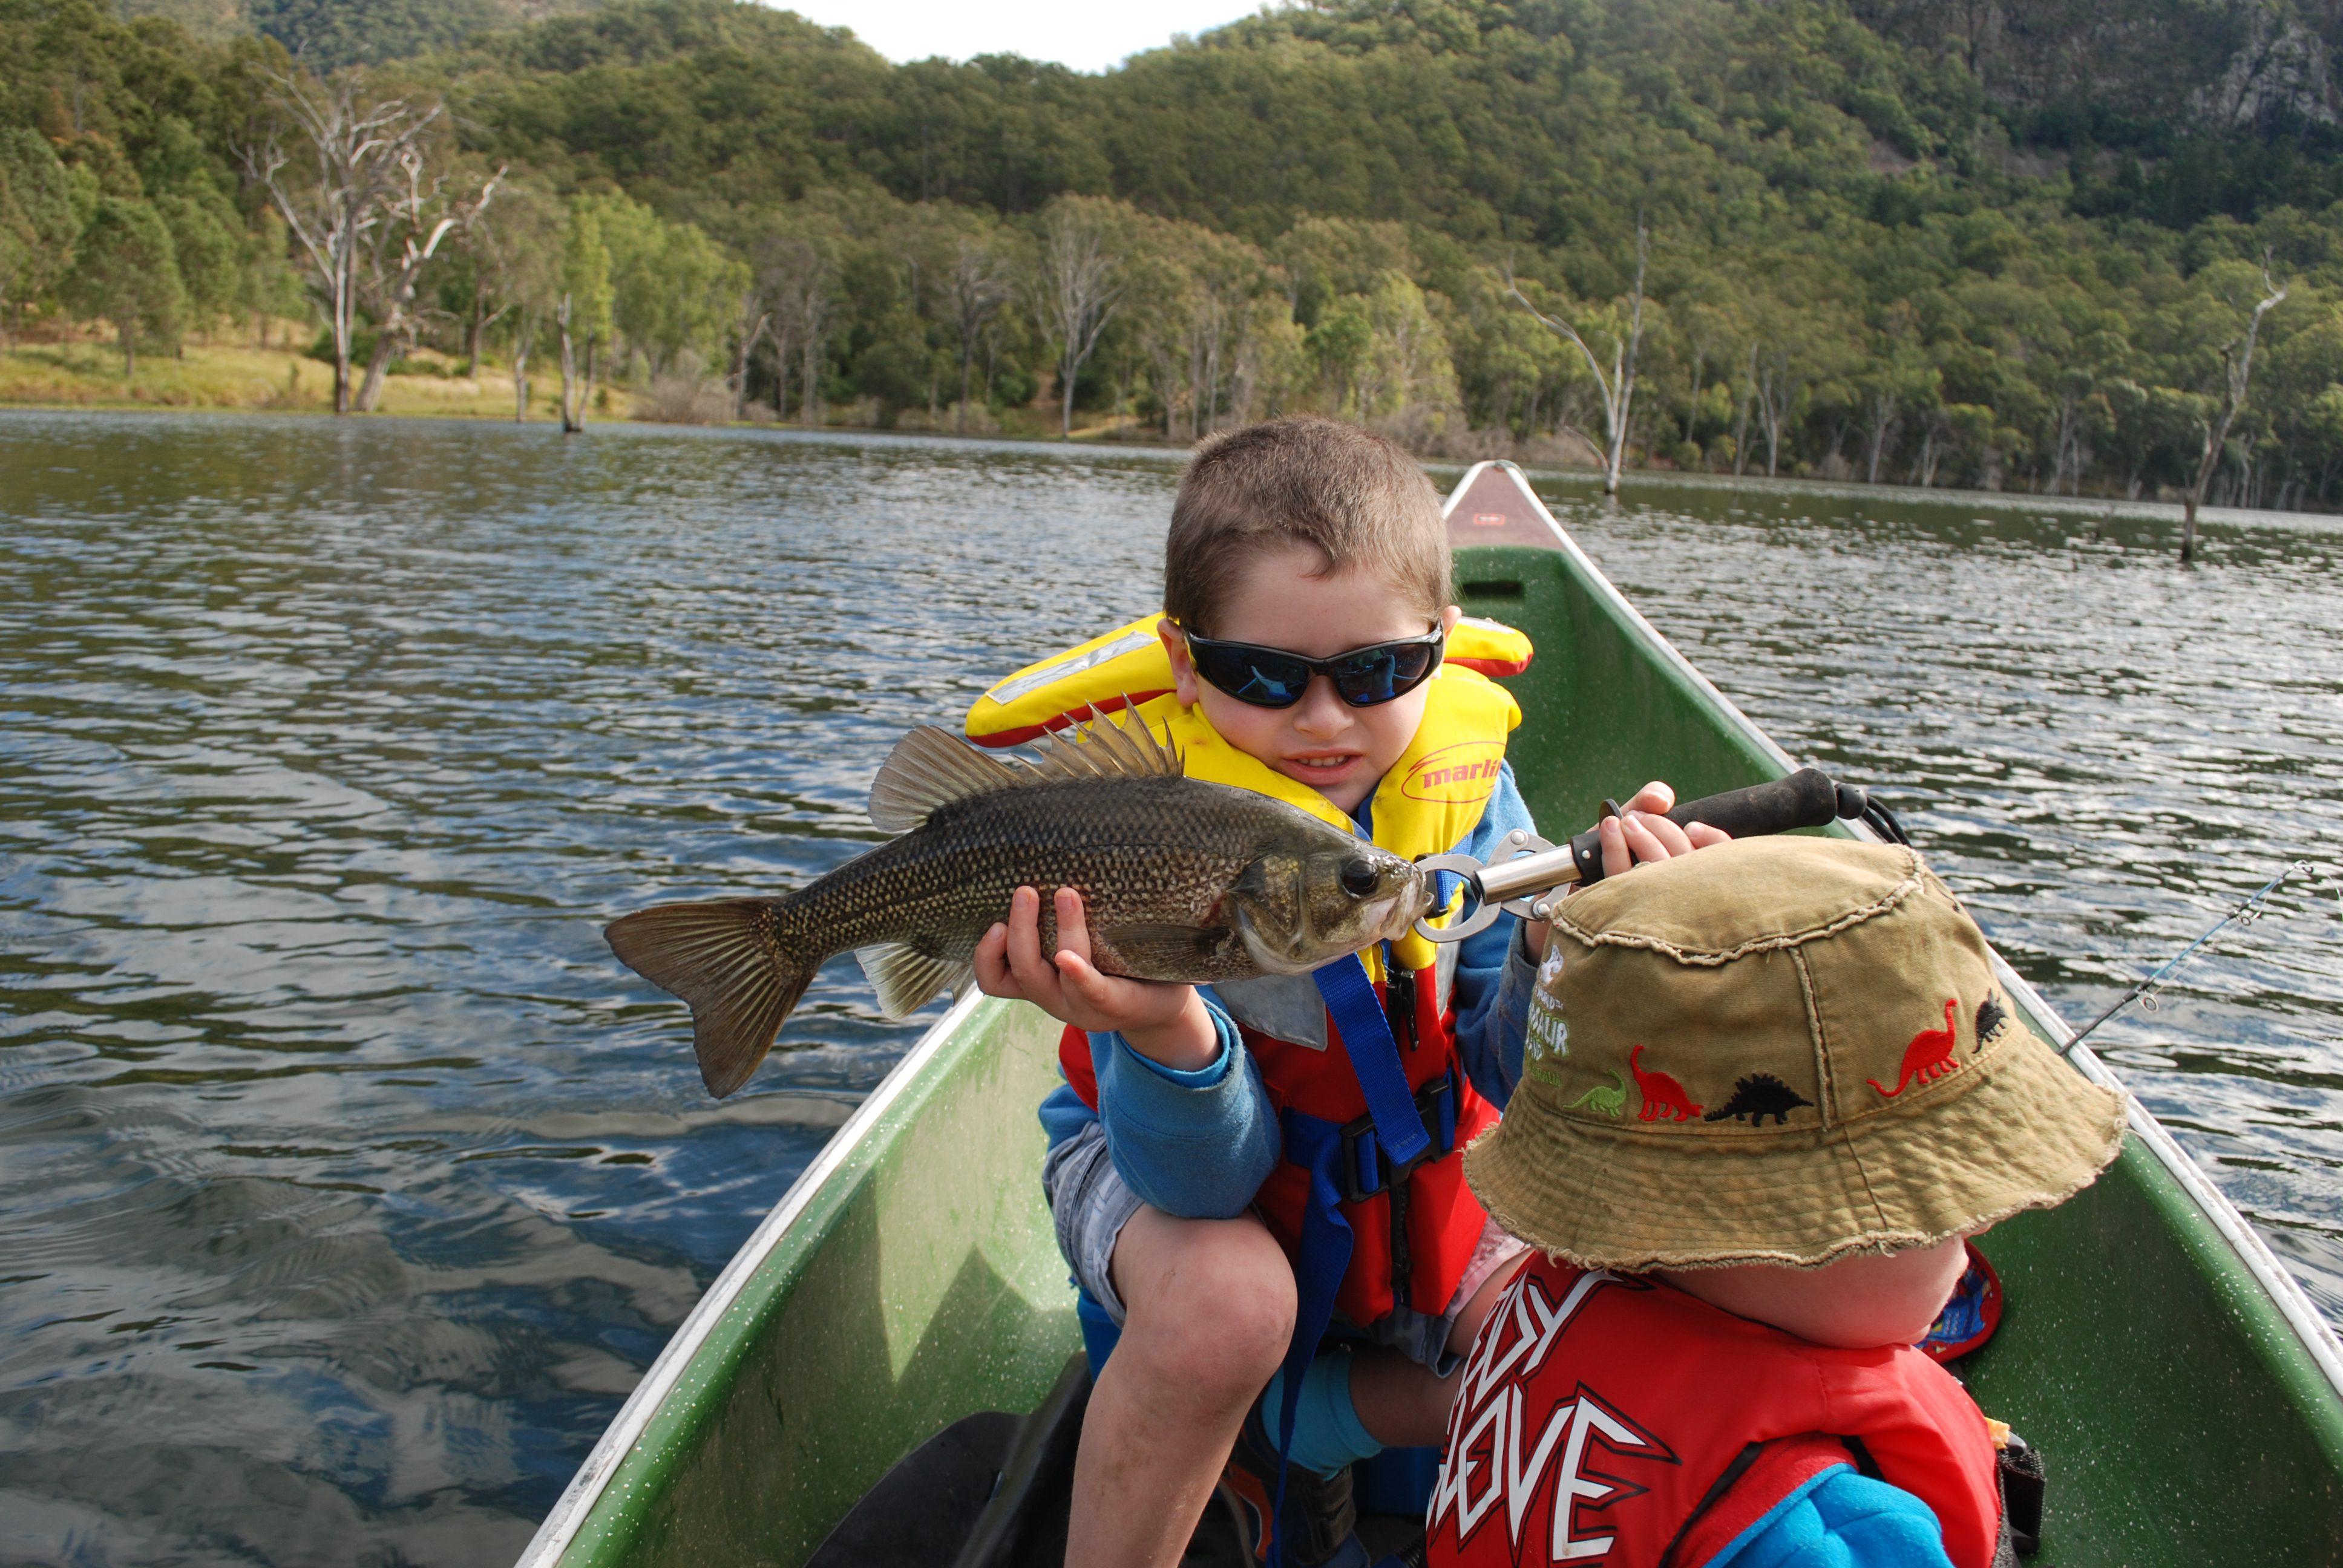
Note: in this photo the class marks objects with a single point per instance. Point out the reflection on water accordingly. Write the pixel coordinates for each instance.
(347, 1186)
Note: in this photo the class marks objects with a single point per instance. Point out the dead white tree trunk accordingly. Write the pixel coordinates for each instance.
(524, 337)
(1881, 420)
(573, 399)
(979, 285)
(756, 320)
(1079, 294)
(1778, 390)
(418, 218)
(329, 158)
(2236, 375)
(1618, 388)
(1741, 395)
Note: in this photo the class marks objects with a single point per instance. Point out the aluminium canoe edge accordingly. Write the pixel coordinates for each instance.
(2187, 1394)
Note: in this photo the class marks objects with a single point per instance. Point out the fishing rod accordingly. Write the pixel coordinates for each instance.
(2248, 910)
(1527, 876)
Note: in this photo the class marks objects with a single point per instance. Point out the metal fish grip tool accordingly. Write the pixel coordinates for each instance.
(1528, 876)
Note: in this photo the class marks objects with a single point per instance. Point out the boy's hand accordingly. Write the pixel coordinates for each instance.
(1166, 1022)
(1640, 834)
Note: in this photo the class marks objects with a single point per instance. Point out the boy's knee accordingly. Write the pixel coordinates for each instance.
(1213, 1301)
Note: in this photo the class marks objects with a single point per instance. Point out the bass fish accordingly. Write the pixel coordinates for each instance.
(1181, 880)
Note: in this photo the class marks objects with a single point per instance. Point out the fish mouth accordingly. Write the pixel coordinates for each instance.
(1380, 920)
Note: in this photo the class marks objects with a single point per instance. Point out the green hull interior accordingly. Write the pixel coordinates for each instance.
(2180, 1416)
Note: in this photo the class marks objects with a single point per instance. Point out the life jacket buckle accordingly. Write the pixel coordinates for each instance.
(1367, 1171)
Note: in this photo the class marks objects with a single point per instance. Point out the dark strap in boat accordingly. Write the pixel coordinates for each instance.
(2022, 1485)
(1038, 1472)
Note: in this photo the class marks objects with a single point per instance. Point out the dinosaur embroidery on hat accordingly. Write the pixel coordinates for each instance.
(1603, 1100)
(1757, 1096)
(1930, 1054)
(1992, 1018)
(1664, 1099)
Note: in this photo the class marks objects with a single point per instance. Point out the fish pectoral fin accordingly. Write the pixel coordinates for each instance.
(727, 959)
(932, 767)
(1158, 951)
(907, 980)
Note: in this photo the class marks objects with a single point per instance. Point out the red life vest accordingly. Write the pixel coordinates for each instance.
(1598, 1415)
(1414, 1255)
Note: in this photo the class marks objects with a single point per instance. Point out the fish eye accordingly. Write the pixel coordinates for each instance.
(1358, 877)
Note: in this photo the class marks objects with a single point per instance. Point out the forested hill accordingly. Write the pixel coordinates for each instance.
(1939, 241)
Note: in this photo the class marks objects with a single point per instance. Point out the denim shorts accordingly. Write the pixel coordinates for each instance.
(1090, 1204)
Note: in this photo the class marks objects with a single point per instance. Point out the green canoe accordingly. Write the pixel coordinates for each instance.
(2184, 1394)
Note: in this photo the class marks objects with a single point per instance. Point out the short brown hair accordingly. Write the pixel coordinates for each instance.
(1347, 493)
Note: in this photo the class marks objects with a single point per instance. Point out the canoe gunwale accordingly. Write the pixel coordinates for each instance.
(585, 1489)
(2294, 1304)
(2285, 1292)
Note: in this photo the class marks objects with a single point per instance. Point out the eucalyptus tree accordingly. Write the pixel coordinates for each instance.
(2218, 406)
(516, 256)
(125, 272)
(40, 219)
(1618, 386)
(977, 285)
(1079, 287)
(804, 269)
(418, 212)
(581, 313)
(336, 160)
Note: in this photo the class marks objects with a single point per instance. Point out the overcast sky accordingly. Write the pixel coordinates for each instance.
(1083, 33)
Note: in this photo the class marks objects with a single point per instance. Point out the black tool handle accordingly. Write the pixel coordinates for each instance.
(1807, 798)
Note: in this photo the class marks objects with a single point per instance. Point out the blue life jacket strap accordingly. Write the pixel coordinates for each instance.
(1358, 1014)
(1323, 1257)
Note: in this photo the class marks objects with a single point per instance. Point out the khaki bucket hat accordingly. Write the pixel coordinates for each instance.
(1779, 1050)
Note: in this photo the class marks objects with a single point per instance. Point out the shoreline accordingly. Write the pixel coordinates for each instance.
(216, 378)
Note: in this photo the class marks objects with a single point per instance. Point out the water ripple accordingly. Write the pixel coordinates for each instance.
(346, 1185)
(2102, 752)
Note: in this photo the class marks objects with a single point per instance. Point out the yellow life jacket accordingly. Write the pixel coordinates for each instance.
(1427, 803)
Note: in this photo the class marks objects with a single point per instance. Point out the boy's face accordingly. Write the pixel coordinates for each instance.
(1337, 749)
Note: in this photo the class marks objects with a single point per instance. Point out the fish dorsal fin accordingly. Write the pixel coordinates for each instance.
(932, 767)
(1105, 748)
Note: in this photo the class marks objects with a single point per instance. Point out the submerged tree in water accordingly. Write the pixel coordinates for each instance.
(2220, 407)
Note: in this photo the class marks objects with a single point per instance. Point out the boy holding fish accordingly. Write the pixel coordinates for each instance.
(1712, 1364)
(1228, 1163)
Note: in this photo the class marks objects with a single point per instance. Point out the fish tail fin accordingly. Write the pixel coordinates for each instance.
(727, 959)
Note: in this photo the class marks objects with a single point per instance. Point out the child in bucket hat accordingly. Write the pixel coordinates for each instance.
(1771, 1089)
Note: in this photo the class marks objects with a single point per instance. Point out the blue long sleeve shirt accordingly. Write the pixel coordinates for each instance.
(1198, 1145)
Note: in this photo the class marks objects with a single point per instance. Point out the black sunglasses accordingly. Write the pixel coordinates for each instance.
(1272, 677)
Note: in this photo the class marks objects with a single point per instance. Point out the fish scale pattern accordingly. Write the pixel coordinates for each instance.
(1150, 853)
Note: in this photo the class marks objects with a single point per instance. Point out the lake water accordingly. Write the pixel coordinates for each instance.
(346, 1185)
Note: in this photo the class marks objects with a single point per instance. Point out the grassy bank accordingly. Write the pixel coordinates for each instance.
(239, 375)
(88, 374)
